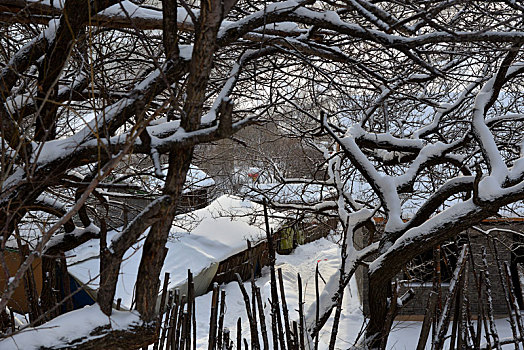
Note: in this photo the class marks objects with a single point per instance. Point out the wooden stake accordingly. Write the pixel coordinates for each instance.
(457, 313)
(317, 304)
(284, 308)
(189, 308)
(226, 339)
(437, 288)
(390, 316)
(492, 327)
(176, 345)
(173, 320)
(221, 318)
(428, 320)
(184, 337)
(213, 318)
(161, 311)
(483, 313)
(239, 334)
(252, 325)
(274, 331)
(443, 322)
(296, 341)
(514, 303)
(275, 309)
(166, 322)
(262, 319)
(300, 313)
(256, 344)
(12, 320)
(506, 293)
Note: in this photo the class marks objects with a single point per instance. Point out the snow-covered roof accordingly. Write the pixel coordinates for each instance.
(196, 179)
(286, 193)
(197, 240)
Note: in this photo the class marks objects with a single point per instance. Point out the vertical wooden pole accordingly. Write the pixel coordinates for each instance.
(226, 339)
(254, 344)
(213, 318)
(176, 345)
(492, 327)
(165, 329)
(161, 309)
(221, 318)
(428, 320)
(300, 313)
(284, 308)
(506, 293)
(296, 340)
(444, 319)
(262, 319)
(514, 302)
(275, 309)
(189, 309)
(252, 325)
(173, 320)
(239, 334)
(317, 305)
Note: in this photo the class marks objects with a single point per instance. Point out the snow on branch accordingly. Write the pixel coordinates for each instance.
(383, 185)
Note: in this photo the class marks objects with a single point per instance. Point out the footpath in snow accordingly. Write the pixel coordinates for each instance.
(303, 260)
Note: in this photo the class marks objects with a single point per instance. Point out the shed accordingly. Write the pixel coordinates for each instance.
(19, 301)
(418, 275)
(125, 205)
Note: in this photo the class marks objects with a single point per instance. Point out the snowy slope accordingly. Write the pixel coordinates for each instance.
(70, 326)
(303, 260)
(198, 240)
(404, 335)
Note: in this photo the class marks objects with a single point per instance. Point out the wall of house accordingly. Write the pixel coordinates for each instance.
(123, 210)
(504, 242)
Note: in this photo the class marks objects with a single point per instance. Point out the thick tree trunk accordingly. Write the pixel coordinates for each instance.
(154, 251)
(49, 297)
(379, 291)
(109, 268)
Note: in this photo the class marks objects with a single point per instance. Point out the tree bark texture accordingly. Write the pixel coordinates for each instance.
(154, 251)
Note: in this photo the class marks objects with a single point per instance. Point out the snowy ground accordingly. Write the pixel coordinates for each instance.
(302, 261)
(404, 334)
(68, 327)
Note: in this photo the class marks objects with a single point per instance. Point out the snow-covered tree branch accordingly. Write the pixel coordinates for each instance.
(416, 108)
